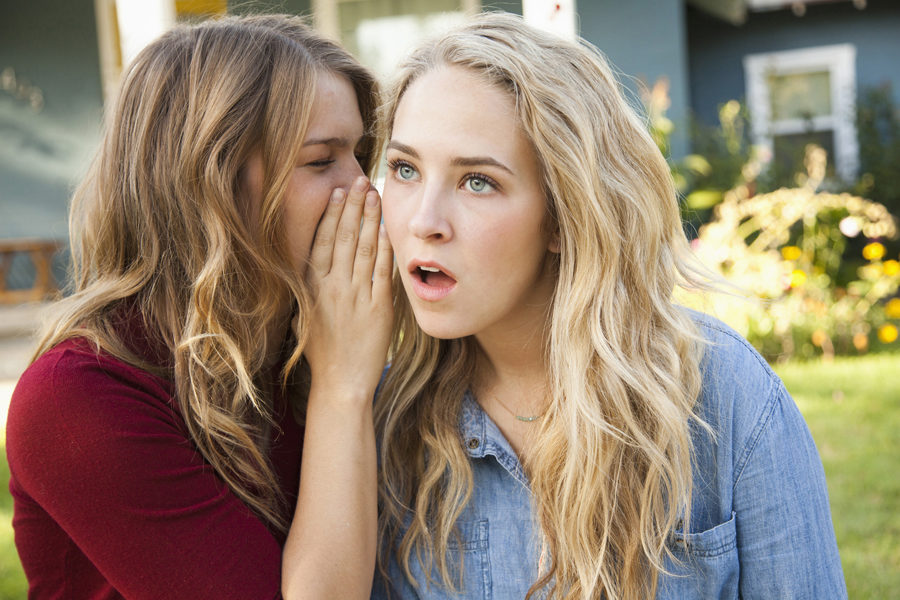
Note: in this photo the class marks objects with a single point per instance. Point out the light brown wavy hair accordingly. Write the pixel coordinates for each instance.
(159, 228)
(610, 468)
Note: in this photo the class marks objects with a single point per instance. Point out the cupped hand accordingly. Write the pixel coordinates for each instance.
(350, 274)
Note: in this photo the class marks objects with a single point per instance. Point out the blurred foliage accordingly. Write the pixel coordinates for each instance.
(721, 158)
(724, 152)
(878, 128)
(787, 249)
(819, 264)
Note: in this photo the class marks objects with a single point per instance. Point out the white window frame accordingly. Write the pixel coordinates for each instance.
(840, 62)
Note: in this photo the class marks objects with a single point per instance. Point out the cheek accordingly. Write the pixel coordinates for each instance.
(514, 247)
(309, 196)
(305, 203)
(392, 211)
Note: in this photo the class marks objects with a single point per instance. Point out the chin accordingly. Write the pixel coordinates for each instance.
(442, 327)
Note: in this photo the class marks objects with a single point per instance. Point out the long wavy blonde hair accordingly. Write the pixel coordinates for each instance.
(610, 471)
(158, 227)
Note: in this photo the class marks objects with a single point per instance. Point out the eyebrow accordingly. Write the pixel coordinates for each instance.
(460, 161)
(332, 141)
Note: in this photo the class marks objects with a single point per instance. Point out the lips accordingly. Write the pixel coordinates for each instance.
(431, 281)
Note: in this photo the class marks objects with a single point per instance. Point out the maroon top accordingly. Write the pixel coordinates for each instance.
(112, 499)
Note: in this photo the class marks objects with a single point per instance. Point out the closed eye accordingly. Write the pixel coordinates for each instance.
(320, 163)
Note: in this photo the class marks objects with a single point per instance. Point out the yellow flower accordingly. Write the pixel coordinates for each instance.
(791, 252)
(892, 308)
(861, 342)
(798, 278)
(891, 267)
(819, 337)
(873, 251)
(887, 333)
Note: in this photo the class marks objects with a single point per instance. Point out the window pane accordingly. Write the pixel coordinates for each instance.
(800, 95)
(790, 150)
(381, 32)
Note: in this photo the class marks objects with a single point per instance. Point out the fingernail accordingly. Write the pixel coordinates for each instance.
(372, 198)
(337, 196)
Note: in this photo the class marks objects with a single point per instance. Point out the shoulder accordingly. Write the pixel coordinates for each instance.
(743, 400)
(78, 395)
(731, 368)
(740, 392)
(76, 369)
(725, 348)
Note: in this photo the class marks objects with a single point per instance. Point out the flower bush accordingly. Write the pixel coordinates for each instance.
(787, 248)
(810, 271)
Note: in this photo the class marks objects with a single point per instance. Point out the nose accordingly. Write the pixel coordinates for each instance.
(349, 174)
(429, 219)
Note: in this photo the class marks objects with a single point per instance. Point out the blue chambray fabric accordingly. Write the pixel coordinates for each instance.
(760, 524)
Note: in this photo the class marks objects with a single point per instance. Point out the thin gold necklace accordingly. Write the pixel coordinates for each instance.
(513, 413)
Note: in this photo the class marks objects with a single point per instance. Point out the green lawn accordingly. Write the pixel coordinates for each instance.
(12, 579)
(852, 406)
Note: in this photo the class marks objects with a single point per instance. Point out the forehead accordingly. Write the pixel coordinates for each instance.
(335, 110)
(454, 107)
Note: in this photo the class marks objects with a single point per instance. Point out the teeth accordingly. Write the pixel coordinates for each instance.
(430, 269)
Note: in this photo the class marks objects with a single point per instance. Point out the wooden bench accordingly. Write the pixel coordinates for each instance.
(41, 253)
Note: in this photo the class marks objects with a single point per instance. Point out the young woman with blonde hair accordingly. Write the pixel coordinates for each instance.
(155, 441)
(552, 424)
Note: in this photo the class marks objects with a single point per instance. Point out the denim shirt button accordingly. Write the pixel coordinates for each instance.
(473, 443)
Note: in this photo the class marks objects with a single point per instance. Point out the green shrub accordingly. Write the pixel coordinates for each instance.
(820, 264)
(787, 249)
(878, 130)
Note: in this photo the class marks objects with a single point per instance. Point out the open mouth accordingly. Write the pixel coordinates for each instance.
(433, 277)
(430, 282)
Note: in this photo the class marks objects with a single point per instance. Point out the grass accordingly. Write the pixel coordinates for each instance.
(12, 579)
(852, 406)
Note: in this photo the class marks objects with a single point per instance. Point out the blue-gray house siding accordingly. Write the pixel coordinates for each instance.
(644, 39)
(716, 48)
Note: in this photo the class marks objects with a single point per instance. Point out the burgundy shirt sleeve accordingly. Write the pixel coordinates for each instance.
(107, 487)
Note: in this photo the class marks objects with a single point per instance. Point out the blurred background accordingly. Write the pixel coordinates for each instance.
(780, 120)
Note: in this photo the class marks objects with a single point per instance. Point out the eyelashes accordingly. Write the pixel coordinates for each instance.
(396, 166)
(471, 178)
(475, 182)
(320, 163)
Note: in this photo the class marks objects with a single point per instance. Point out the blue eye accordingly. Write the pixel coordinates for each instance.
(479, 184)
(403, 170)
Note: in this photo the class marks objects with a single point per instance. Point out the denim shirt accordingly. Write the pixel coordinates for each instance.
(760, 521)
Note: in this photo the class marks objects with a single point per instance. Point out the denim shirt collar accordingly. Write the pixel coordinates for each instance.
(482, 438)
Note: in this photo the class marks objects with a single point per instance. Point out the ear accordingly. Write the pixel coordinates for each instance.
(554, 242)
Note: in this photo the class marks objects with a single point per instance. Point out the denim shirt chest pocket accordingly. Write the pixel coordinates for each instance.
(467, 553)
(706, 564)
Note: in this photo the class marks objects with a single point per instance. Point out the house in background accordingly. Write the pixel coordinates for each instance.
(799, 66)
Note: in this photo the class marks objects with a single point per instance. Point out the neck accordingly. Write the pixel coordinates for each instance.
(513, 368)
